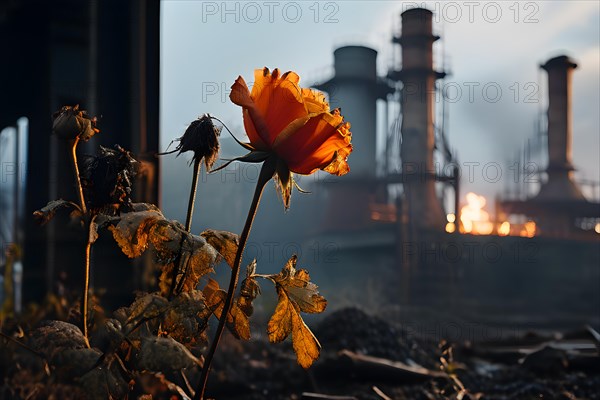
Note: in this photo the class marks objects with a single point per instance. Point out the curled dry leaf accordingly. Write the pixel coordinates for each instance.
(249, 290)
(93, 232)
(187, 318)
(44, 215)
(170, 240)
(199, 258)
(135, 231)
(237, 321)
(299, 288)
(132, 231)
(296, 293)
(226, 243)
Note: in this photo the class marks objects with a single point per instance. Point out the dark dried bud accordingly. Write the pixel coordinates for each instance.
(71, 123)
(201, 137)
(107, 180)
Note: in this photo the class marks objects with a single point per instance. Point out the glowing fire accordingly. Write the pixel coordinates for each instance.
(528, 229)
(504, 229)
(474, 219)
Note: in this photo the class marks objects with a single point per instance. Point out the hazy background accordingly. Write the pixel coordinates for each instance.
(206, 45)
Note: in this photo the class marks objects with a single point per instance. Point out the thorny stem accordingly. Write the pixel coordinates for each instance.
(86, 282)
(266, 173)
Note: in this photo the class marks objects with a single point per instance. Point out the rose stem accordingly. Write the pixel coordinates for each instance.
(266, 173)
(192, 200)
(188, 227)
(86, 281)
(77, 176)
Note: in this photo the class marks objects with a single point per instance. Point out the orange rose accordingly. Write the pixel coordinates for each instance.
(293, 123)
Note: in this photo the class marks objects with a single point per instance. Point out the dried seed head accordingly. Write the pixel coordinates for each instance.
(201, 137)
(70, 123)
(107, 180)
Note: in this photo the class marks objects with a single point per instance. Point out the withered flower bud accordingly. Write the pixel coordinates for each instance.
(107, 180)
(71, 123)
(201, 137)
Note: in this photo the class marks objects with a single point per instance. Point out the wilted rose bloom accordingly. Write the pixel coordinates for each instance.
(107, 180)
(201, 137)
(71, 122)
(294, 123)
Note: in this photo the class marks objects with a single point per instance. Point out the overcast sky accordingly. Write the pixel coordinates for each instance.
(206, 45)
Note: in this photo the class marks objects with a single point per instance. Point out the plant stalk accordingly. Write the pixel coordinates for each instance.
(266, 173)
(78, 176)
(86, 280)
(176, 286)
(192, 200)
(88, 245)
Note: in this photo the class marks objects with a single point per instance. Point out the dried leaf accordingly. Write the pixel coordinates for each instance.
(187, 318)
(237, 321)
(189, 257)
(200, 258)
(297, 285)
(296, 293)
(286, 320)
(44, 215)
(165, 354)
(197, 257)
(54, 337)
(305, 344)
(166, 238)
(93, 233)
(104, 383)
(249, 290)
(146, 307)
(165, 280)
(131, 232)
(226, 243)
(280, 324)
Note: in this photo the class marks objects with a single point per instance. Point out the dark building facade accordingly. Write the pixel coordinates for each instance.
(103, 55)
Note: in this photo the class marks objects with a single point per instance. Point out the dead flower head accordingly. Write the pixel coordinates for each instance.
(107, 179)
(71, 123)
(201, 137)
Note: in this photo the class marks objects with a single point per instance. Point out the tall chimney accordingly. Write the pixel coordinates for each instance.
(560, 185)
(354, 89)
(418, 78)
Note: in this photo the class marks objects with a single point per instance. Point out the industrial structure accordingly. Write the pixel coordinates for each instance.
(418, 205)
(559, 202)
(366, 197)
(428, 256)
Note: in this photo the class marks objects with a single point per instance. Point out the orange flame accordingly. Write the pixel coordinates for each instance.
(504, 229)
(474, 219)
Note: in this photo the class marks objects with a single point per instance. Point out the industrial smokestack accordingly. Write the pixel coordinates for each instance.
(560, 185)
(418, 78)
(354, 88)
